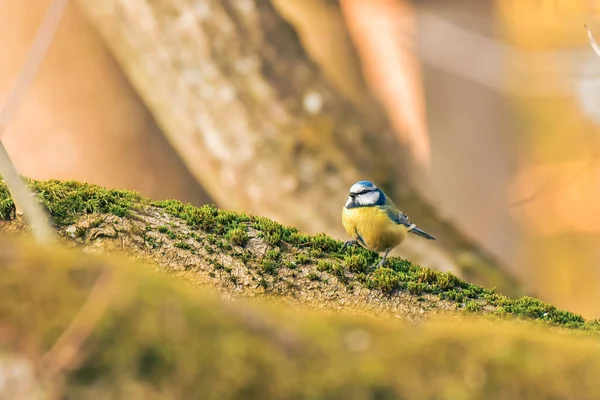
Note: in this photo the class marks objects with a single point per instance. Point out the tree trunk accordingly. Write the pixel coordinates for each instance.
(262, 129)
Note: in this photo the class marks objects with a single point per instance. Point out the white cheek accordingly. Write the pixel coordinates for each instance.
(368, 198)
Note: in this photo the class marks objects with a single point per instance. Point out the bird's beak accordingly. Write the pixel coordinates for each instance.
(352, 195)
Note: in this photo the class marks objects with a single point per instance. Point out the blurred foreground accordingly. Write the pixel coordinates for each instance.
(76, 326)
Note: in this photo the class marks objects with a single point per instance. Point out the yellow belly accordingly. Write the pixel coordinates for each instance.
(375, 228)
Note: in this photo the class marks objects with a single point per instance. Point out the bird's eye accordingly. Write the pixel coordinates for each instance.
(360, 193)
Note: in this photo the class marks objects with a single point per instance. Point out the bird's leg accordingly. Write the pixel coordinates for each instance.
(350, 243)
(383, 260)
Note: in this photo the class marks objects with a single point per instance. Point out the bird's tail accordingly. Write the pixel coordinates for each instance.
(421, 233)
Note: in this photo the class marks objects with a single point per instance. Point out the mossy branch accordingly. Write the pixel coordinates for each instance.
(250, 255)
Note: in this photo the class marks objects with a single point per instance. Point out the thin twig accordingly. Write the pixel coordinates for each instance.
(593, 42)
(23, 199)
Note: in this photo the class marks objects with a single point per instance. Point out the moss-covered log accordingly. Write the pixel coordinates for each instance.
(98, 328)
(261, 127)
(250, 256)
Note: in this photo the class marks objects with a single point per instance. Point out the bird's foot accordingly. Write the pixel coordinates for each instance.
(350, 243)
(378, 265)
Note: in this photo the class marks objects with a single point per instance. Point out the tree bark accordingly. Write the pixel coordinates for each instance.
(261, 127)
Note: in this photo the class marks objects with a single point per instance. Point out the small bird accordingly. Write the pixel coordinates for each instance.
(374, 222)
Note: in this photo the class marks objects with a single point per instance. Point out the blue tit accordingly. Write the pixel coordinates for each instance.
(374, 222)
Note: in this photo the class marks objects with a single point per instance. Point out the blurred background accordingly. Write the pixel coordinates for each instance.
(480, 119)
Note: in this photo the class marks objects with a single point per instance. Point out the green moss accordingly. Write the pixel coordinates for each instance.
(167, 231)
(195, 236)
(298, 239)
(196, 217)
(315, 253)
(313, 276)
(7, 206)
(324, 266)
(238, 235)
(233, 279)
(151, 241)
(272, 238)
(447, 281)
(223, 244)
(427, 275)
(416, 288)
(530, 308)
(96, 222)
(273, 254)
(263, 283)
(301, 259)
(217, 265)
(67, 200)
(473, 306)
(325, 243)
(80, 232)
(384, 279)
(211, 239)
(454, 296)
(183, 245)
(270, 266)
(244, 256)
(356, 263)
(370, 257)
(270, 230)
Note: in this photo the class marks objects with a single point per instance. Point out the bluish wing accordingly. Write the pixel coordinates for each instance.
(395, 215)
(400, 218)
(403, 220)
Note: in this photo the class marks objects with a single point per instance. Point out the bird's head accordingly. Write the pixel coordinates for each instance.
(365, 194)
